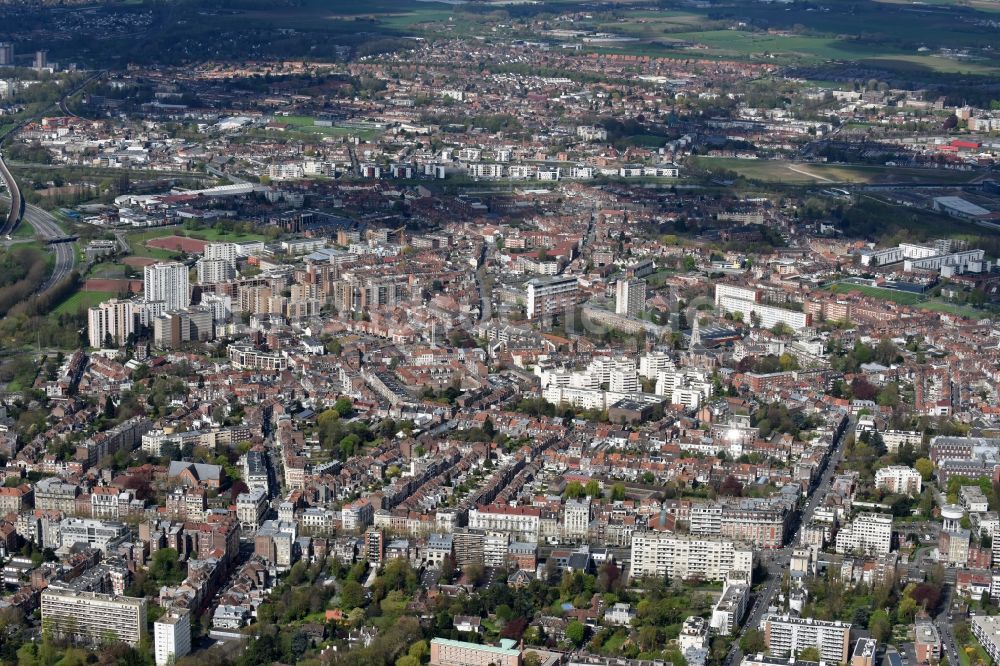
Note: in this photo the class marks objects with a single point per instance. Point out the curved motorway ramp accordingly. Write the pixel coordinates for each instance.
(16, 201)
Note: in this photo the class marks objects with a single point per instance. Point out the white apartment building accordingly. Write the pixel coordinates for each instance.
(899, 479)
(228, 252)
(653, 363)
(662, 554)
(785, 635)
(747, 301)
(94, 618)
(630, 297)
(576, 519)
(214, 271)
(893, 439)
(167, 282)
(521, 522)
(495, 548)
(687, 387)
(869, 533)
(986, 629)
(251, 507)
(172, 636)
(98, 534)
(728, 612)
(115, 318)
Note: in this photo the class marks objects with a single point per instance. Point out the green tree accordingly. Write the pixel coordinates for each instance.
(880, 625)
(352, 595)
(810, 653)
(576, 632)
(753, 642)
(925, 467)
(593, 488)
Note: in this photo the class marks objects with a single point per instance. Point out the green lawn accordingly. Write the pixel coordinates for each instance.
(106, 270)
(955, 309)
(901, 297)
(906, 298)
(82, 300)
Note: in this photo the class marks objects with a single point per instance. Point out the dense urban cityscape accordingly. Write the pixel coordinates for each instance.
(500, 334)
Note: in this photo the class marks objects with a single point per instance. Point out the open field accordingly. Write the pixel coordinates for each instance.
(901, 297)
(151, 244)
(82, 300)
(809, 173)
(920, 301)
(890, 34)
(113, 285)
(177, 244)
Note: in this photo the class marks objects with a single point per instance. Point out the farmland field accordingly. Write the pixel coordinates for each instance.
(809, 173)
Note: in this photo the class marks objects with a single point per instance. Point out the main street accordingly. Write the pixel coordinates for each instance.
(777, 561)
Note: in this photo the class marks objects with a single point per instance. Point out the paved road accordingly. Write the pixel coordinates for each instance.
(777, 561)
(14, 216)
(46, 226)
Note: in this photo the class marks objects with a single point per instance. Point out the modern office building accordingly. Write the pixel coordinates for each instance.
(172, 636)
(630, 297)
(114, 319)
(167, 282)
(786, 635)
(662, 554)
(94, 618)
(100, 534)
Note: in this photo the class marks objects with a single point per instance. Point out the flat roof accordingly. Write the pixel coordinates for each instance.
(507, 652)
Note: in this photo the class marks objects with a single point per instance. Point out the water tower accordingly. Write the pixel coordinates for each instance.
(952, 515)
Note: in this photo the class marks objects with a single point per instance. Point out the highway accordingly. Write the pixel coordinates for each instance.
(46, 226)
(17, 203)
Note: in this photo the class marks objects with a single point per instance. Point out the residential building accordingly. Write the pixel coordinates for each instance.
(786, 635)
(868, 534)
(899, 479)
(112, 321)
(172, 636)
(729, 610)
(94, 618)
(167, 282)
(445, 652)
(926, 642)
(630, 297)
(553, 296)
(661, 554)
